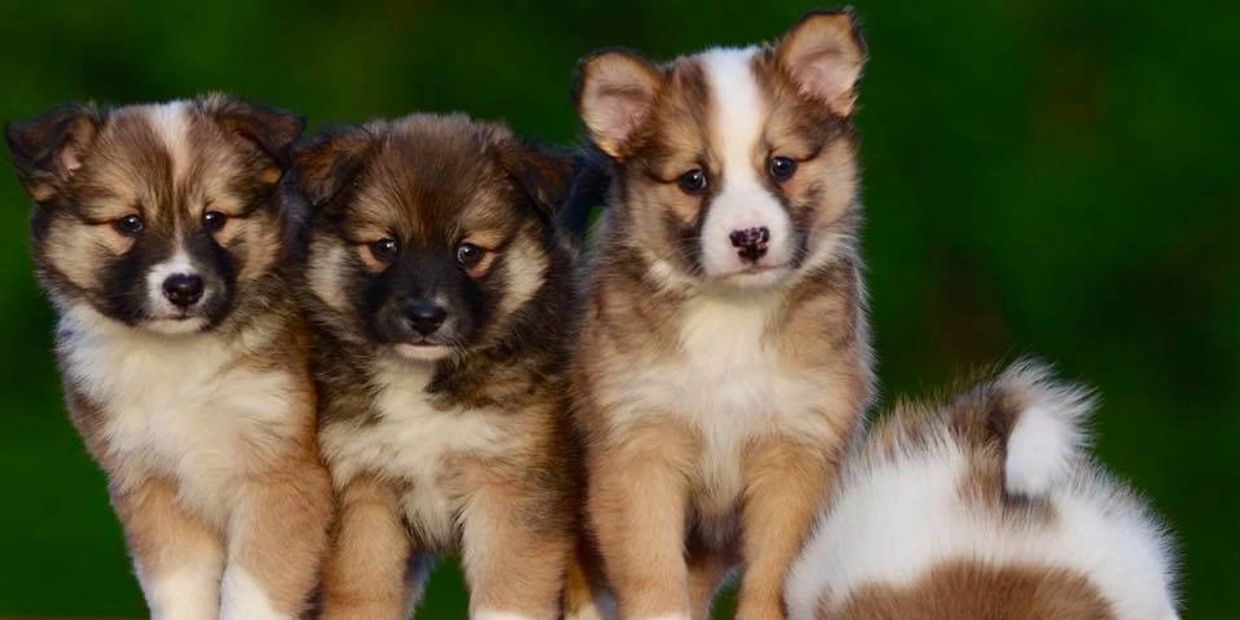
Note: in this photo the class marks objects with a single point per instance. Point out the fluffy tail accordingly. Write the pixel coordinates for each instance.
(1042, 424)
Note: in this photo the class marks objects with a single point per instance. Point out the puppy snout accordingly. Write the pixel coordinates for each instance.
(751, 243)
(183, 289)
(424, 316)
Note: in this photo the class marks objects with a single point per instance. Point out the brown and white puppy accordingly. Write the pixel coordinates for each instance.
(441, 293)
(724, 359)
(159, 237)
(985, 507)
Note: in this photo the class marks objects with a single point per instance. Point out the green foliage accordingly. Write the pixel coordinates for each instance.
(1044, 176)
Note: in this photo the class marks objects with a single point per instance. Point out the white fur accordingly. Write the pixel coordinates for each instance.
(176, 407)
(896, 519)
(743, 201)
(409, 442)
(242, 598)
(171, 123)
(165, 316)
(728, 383)
(487, 614)
(189, 594)
(1046, 441)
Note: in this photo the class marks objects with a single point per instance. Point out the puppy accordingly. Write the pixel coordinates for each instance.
(723, 359)
(441, 293)
(986, 507)
(160, 239)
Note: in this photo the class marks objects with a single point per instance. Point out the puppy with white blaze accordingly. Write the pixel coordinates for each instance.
(985, 507)
(723, 361)
(160, 237)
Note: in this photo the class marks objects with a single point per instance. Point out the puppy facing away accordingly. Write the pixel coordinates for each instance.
(160, 239)
(723, 360)
(986, 507)
(441, 293)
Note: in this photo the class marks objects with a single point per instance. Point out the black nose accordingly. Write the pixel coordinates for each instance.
(183, 289)
(425, 316)
(750, 243)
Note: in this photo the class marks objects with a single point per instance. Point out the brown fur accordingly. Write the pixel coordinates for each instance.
(262, 510)
(430, 183)
(667, 532)
(971, 590)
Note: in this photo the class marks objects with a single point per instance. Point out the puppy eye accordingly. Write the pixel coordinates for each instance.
(213, 220)
(469, 255)
(781, 168)
(693, 182)
(385, 250)
(130, 225)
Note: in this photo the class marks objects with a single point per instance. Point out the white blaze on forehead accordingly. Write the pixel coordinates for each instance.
(739, 112)
(739, 115)
(170, 121)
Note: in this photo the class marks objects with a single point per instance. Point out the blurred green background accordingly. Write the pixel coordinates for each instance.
(1053, 177)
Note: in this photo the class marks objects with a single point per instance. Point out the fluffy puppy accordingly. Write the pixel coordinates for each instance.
(723, 360)
(986, 507)
(160, 239)
(441, 293)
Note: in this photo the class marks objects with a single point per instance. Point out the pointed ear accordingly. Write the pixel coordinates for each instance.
(49, 149)
(329, 161)
(824, 54)
(544, 174)
(267, 131)
(614, 92)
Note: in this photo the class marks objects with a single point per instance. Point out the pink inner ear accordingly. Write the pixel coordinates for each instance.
(829, 76)
(620, 112)
(69, 160)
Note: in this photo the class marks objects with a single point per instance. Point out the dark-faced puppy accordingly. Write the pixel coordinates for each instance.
(440, 291)
(158, 235)
(724, 359)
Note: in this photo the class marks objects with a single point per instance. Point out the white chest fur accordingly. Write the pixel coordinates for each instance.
(413, 441)
(729, 383)
(178, 407)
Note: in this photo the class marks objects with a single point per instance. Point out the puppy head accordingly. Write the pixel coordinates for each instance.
(157, 216)
(737, 165)
(429, 233)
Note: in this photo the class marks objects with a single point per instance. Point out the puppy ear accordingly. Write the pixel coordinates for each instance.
(824, 54)
(269, 131)
(614, 92)
(48, 150)
(544, 174)
(329, 161)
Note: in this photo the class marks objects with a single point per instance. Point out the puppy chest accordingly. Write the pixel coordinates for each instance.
(423, 448)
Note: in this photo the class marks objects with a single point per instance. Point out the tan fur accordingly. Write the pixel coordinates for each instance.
(681, 492)
(366, 574)
(207, 437)
(471, 453)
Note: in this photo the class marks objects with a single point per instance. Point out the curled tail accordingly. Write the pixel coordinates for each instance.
(1041, 422)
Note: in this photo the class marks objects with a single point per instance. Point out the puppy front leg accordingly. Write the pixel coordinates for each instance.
(178, 559)
(277, 536)
(517, 543)
(637, 502)
(785, 484)
(368, 570)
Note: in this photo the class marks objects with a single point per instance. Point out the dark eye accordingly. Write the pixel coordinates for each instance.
(130, 225)
(781, 168)
(693, 182)
(385, 250)
(213, 220)
(468, 254)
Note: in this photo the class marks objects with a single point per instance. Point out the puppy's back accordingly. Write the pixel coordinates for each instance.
(987, 507)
